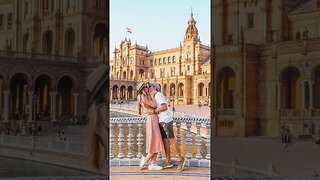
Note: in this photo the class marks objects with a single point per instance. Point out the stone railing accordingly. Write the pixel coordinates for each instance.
(133, 158)
(43, 143)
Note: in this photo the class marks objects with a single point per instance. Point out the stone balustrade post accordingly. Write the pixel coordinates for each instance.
(130, 140)
(140, 140)
(189, 140)
(178, 124)
(120, 141)
(198, 141)
(111, 140)
(271, 169)
(233, 167)
(208, 139)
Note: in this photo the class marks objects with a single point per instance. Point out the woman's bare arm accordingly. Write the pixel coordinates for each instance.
(150, 103)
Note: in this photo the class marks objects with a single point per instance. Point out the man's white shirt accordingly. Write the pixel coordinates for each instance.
(164, 116)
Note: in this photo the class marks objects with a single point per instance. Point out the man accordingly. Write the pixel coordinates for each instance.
(166, 127)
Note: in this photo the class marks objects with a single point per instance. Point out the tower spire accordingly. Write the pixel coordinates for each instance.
(192, 31)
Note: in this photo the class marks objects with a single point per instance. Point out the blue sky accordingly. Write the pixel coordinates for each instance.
(159, 24)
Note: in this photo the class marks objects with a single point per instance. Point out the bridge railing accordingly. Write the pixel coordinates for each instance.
(119, 139)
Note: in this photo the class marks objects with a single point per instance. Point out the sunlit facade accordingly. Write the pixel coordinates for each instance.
(267, 64)
(47, 48)
(182, 72)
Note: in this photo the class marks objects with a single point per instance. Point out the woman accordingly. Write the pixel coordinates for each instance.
(98, 131)
(154, 142)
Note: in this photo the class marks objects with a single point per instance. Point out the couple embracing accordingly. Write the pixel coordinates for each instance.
(159, 127)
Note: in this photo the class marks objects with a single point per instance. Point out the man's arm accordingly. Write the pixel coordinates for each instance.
(162, 108)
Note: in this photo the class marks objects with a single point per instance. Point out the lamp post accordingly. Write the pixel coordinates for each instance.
(173, 108)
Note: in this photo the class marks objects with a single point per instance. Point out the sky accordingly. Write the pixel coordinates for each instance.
(158, 24)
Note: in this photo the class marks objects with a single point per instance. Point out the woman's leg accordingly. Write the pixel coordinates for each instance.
(149, 157)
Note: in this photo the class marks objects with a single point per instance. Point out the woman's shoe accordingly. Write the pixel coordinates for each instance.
(142, 162)
(154, 167)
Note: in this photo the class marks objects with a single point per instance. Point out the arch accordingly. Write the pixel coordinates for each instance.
(42, 87)
(124, 75)
(130, 92)
(25, 42)
(164, 91)
(115, 90)
(131, 74)
(141, 74)
(100, 39)
(70, 42)
(47, 42)
(23, 73)
(122, 92)
(65, 97)
(201, 90)
(290, 90)
(226, 84)
(9, 21)
(180, 89)
(19, 99)
(1, 20)
(48, 75)
(75, 84)
(172, 89)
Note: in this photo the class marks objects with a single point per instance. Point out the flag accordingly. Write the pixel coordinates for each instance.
(129, 30)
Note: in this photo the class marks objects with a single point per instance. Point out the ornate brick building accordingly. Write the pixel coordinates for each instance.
(183, 72)
(48, 47)
(268, 66)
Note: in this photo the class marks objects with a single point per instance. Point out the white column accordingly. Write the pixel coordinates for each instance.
(126, 94)
(53, 106)
(311, 95)
(76, 104)
(111, 98)
(6, 106)
(119, 95)
(30, 106)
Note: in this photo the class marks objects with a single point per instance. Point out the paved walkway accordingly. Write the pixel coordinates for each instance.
(300, 159)
(133, 173)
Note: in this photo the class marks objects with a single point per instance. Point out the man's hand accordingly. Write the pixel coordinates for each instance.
(149, 111)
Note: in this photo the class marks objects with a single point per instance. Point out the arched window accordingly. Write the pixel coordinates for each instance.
(164, 61)
(155, 61)
(1, 20)
(151, 62)
(173, 59)
(45, 4)
(169, 60)
(70, 42)
(9, 23)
